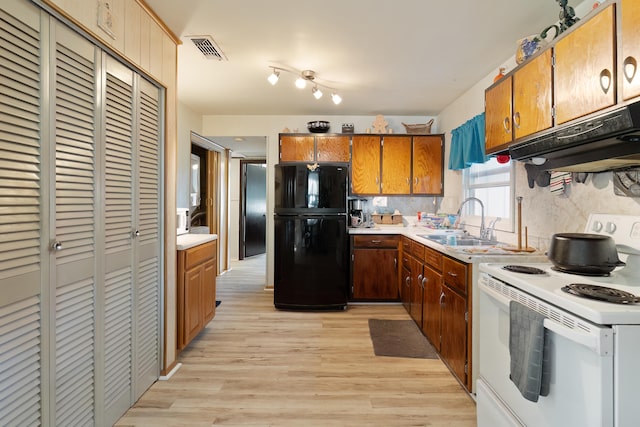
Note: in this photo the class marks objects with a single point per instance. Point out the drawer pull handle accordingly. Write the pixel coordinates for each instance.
(424, 281)
(630, 68)
(442, 298)
(375, 242)
(452, 274)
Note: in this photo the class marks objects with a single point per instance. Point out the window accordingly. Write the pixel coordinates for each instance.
(491, 182)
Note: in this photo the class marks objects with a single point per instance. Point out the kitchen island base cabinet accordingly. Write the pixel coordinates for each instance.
(196, 291)
(374, 272)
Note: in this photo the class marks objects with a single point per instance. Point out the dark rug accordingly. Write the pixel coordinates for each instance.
(399, 338)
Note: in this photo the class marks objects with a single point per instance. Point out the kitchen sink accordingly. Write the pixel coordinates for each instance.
(460, 240)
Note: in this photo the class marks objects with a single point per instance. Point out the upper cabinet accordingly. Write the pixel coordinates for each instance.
(365, 164)
(630, 48)
(397, 164)
(584, 75)
(427, 165)
(318, 148)
(573, 77)
(396, 158)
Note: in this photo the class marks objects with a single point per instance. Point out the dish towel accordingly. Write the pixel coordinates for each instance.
(559, 182)
(529, 352)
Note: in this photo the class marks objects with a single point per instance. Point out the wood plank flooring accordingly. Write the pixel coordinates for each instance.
(254, 365)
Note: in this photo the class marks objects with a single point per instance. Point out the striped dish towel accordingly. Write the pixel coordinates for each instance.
(559, 181)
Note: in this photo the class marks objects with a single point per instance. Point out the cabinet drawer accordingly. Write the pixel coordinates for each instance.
(455, 274)
(376, 241)
(433, 258)
(417, 249)
(199, 254)
(406, 245)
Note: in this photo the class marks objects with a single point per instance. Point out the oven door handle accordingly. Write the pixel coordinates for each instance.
(599, 341)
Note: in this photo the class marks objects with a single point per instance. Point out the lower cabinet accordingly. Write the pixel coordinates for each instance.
(196, 295)
(374, 267)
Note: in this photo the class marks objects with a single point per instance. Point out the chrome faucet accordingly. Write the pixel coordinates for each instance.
(483, 231)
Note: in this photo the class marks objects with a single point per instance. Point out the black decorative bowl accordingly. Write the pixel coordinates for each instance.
(318, 126)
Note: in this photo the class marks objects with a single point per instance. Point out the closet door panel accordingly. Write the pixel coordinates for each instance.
(22, 256)
(74, 225)
(119, 226)
(148, 280)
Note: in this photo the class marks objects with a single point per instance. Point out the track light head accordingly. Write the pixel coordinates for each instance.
(273, 77)
(317, 93)
(337, 99)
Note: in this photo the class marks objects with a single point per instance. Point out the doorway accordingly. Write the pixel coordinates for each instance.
(253, 208)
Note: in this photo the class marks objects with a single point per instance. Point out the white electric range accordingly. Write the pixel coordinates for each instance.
(593, 345)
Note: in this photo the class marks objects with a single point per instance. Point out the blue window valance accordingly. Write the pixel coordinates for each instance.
(467, 144)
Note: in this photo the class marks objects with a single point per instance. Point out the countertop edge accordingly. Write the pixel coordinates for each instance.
(187, 241)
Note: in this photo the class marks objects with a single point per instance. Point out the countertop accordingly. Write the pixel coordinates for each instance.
(186, 241)
(462, 253)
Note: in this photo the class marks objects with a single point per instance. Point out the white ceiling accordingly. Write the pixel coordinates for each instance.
(402, 57)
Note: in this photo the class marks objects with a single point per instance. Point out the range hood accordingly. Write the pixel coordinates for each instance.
(608, 141)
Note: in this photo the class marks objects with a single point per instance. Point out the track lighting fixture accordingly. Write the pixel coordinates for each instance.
(301, 82)
(273, 77)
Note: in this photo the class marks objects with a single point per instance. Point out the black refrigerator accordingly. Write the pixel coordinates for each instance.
(311, 239)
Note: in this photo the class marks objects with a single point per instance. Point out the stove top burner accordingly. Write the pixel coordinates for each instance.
(579, 273)
(601, 293)
(523, 269)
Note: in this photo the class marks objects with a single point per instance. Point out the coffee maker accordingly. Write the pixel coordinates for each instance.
(357, 212)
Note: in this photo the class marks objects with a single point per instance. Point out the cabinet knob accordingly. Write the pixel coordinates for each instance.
(424, 281)
(56, 246)
(442, 298)
(135, 233)
(419, 277)
(630, 66)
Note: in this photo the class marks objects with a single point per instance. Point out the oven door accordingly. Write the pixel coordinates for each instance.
(581, 364)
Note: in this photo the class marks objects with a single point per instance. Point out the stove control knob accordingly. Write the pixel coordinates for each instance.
(597, 226)
(611, 228)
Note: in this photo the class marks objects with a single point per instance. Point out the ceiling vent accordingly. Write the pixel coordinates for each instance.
(208, 47)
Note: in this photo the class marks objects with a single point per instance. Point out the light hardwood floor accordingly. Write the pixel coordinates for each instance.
(254, 365)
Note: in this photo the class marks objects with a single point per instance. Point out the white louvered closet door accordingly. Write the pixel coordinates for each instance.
(147, 262)
(22, 217)
(75, 235)
(119, 236)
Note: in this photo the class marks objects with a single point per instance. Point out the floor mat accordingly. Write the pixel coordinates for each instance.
(399, 338)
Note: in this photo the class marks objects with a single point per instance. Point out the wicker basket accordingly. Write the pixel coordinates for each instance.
(419, 128)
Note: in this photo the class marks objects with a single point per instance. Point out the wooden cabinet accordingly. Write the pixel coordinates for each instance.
(314, 148)
(498, 107)
(584, 77)
(374, 267)
(365, 164)
(454, 301)
(397, 164)
(404, 285)
(519, 104)
(427, 167)
(431, 296)
(532, 96)
(196, 296)
(297, 148)
(396, 161)
(630, 48)
(416, 283)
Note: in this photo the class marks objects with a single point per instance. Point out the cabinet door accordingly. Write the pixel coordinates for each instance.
(532, 96)
(193, 316)
(431, 306)
(209, 290)
(405, 283)
(365, 164)
(396, 158)
(498, 109)
(415, 307)
(584, 78)
(375, 274)
(296, 148)
(453, 346)
(332, 148)
(630, 41)
(427, 167)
